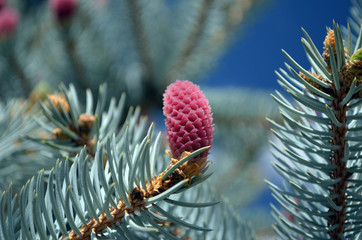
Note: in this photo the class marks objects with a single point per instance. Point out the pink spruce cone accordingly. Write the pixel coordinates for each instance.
(188, 118)
(63, 9)
(9, 19)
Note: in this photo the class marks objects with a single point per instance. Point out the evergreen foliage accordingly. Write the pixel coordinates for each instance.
(112, 189)
(136, 47)
(110, 180)
(19, 158)
(108, 174)
(320, 135)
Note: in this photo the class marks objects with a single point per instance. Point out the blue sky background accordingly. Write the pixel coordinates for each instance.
(256, 52)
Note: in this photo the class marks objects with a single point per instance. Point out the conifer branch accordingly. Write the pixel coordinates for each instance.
(76, 63)
(150, 89)
(140, 38)
(340, 91)
(337, 158)
(139, 198)
(19, 71)
(320, 143)
(340, 172)
(191, 42)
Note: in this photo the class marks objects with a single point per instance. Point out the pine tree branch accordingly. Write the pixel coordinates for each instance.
(140, 38)
(87, 21)
(140, 198)
(340, 172)
(191, 43)
(19, 71)
(326, 136)
(75, 61)
(340, 89)
(150, 89)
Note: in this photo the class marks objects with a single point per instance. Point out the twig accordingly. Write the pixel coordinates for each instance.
(77, 65)
(138, 197)
(191, 42)
(338, 189)
(140, 38)
(15, 65)
(150, 90)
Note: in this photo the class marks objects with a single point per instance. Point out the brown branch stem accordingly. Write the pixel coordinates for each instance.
(191, 43)
(117, 213)
(76, 63)
(140, 38)
(338, 189)
(150, 90)
(138, 196)
(19, 71)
